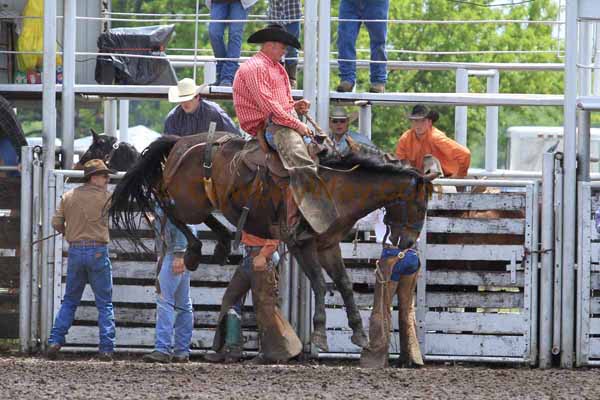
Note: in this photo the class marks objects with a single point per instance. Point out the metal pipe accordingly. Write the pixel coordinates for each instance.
(364, 119)
(570, 186)
(324, 32)
(584, 136)
(284, 282)
(460, 113)
(545, 333)
(558, 251)
(533, 305)
(491, 125)
(585, 57)
(596, 71)
(25, 250)
(210, 72)
(68, 89)
(110, 118)
(36, 234)
(196, 39)
(124, 120)
(49, 135)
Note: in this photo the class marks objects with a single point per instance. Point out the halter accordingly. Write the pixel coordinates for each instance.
(109, 156)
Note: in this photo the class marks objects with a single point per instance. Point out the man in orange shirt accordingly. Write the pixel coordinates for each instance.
(424, 139)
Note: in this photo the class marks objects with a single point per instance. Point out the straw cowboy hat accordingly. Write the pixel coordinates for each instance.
(185, 90)
(340, 113)
(274, 33)
(421, 112)
(95, 167)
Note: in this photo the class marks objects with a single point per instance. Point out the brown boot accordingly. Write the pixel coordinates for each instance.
(380, 322)
(410, 352)
(278, 340)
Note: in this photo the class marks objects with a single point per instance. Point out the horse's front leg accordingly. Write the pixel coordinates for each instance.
(309, 262)
(332, 262)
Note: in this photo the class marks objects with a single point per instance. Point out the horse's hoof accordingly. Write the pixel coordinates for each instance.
(360, 339)
(191, 260)
(409, 364)
(319, 339)
(220, 254)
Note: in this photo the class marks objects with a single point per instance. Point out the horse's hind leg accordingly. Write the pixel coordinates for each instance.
(331, 260)
(309, 262)
(223, 248)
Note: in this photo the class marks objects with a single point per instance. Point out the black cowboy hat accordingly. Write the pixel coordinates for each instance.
(421, 112)
(274, 33)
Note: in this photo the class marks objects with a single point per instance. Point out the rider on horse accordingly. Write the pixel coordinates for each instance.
(264, 105)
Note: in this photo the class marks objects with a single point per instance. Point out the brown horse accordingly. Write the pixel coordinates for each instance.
(356, 192)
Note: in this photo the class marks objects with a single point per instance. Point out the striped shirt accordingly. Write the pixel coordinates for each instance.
(284, 10)
(261, 90)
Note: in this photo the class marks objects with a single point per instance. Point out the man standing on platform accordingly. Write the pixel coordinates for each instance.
(82, 218)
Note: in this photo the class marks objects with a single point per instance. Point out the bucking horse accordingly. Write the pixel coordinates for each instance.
(193, 176)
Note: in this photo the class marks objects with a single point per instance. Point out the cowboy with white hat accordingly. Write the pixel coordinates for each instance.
(193, 114)
(339, 124)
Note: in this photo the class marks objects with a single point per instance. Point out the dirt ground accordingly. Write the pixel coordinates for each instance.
(129, 378)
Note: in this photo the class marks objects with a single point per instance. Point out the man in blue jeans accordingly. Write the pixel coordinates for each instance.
(284, 12)
(82, 218)
(346, 41)
(174, 312)
(227, 10)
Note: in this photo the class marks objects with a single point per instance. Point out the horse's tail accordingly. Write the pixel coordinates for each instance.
(140, 186)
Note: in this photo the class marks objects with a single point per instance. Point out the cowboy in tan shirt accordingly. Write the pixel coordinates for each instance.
(82, 218)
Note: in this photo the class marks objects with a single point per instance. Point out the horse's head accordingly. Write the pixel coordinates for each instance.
(405, 216)
(101, 148)
(123, 156)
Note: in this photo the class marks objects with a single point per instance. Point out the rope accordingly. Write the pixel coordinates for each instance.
(452, 22)
(224, 21)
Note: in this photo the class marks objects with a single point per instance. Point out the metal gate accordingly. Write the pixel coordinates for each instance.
(477, 290)
(588, 279)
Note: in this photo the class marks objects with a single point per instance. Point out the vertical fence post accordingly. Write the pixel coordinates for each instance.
(49, 135)
(110, 117)
(36, 235)
(570, 186)
(558, 254)
(25, 250)
(68, 89)
(123, 121)
(364, 119)
(460, 113)
(491, 125)
(546, 272)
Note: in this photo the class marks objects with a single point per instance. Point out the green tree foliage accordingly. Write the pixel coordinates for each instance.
(390, 122)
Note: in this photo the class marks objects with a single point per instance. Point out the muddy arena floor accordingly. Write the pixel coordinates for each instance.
(80, 377)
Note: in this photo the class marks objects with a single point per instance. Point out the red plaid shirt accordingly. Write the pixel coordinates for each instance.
(261, 89)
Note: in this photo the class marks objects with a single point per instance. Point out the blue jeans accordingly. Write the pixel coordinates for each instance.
(174, 315)
(87, 265)
(348, 32)
(291, 54)
(216, 32)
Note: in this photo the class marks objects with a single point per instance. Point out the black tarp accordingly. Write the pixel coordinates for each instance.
(147, 40)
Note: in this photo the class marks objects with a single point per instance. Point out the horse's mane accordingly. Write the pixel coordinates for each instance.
(372, 159)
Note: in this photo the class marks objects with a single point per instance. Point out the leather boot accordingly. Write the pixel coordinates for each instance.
(380, 322)
(278, 340)
(410, 352)
(235, 292)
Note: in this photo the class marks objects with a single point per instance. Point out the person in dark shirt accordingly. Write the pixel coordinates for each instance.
(193, 114)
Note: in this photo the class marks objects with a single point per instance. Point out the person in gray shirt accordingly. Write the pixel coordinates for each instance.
(193, 114)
